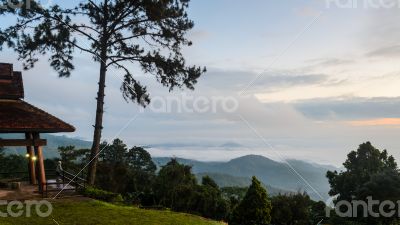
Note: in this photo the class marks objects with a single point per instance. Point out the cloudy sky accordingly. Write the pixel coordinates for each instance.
(286, 79)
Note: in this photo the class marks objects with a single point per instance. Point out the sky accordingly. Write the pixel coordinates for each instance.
(285, 79)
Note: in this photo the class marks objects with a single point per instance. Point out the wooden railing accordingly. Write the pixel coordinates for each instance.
(65, 181)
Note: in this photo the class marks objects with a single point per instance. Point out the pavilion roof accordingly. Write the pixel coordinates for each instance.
(11, 86)
(18, 116)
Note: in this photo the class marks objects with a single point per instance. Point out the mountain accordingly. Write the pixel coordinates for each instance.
(53, 142)
(225, 180)
(293, 175)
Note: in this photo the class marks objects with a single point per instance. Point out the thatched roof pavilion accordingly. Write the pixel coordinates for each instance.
(18, 116)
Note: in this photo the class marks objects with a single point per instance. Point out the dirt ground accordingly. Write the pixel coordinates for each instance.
(27, 192)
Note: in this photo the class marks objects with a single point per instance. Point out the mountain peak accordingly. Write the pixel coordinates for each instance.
(252, 157)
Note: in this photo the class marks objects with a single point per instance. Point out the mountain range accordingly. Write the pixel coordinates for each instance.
(278, 177)
(53, 142)
(289, 176)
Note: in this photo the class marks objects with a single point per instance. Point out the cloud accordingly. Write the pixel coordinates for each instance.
(382, 28)
(349, 108)
(308, 11)
(282, 80)
(198, 35)
(376, 122)
(389, 52)
(236, 81)
(331, 62)
(291, 130)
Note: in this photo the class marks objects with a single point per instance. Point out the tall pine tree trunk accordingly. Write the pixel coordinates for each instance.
(99, 121)
(98, 127)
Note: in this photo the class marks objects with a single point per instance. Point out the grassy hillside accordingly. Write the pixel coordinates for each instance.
(90, 212)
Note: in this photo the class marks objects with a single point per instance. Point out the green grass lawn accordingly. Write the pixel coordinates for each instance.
(95, 212)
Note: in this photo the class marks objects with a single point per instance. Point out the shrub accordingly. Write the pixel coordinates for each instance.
(102, 195)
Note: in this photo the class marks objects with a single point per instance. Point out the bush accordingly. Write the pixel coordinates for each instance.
(3, 184)
(141, 199)
(102, 195)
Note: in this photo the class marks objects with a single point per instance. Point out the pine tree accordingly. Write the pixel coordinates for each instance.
(255, 208)
(115, 34)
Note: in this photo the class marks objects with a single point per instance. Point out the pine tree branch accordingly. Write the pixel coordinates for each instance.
(124, 39)
(87, 27)
(59, 20)
(94, 4)
(116, 59)
(83, 49)
(126, 25)
(122, 17)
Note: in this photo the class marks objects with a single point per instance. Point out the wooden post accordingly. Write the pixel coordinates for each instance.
(31, 163)
(40, 163)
